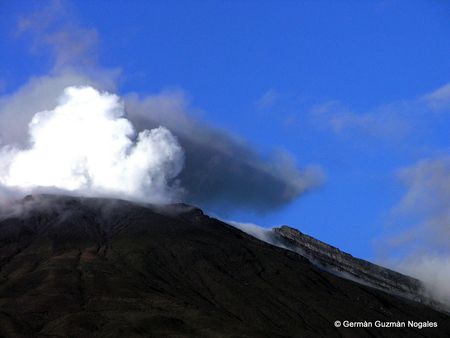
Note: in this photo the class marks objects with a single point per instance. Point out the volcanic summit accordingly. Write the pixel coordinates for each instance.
(93, 267)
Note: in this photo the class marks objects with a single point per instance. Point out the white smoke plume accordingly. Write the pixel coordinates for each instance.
(86, 145)
(221, 170)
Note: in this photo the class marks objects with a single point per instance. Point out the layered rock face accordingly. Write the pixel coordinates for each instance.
(334, 260)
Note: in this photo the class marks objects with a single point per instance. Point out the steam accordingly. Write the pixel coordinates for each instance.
(221, 170)
(257, 231)
(434, 271)
(86, 145)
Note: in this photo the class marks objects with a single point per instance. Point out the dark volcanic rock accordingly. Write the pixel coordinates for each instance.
(333, 259)
(77, 267)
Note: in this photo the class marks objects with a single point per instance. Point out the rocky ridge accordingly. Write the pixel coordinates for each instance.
(331, 258)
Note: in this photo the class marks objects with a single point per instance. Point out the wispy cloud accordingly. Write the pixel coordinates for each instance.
(385, 122)
(267, 100)
(439, 99)
(2, 85)
(54, 28)
(395, 120)
(420, 224)
(428, 197)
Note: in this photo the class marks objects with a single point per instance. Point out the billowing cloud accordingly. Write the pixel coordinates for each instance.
(86, 145)
(221, 170)
(42, 93)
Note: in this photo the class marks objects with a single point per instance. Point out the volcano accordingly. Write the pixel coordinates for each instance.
(92, 267)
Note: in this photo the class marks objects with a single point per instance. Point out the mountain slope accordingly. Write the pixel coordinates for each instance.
(334, 260)
(77, 267)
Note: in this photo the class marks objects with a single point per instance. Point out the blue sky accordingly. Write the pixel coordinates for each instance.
(350, 86)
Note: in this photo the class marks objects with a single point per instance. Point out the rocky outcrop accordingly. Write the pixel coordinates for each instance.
(334, 260)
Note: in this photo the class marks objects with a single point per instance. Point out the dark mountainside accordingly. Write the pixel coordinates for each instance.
(80, 267)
